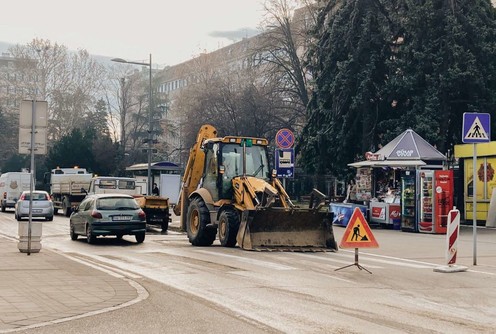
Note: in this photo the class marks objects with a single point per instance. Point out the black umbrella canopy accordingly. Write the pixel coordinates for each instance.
(410, 146)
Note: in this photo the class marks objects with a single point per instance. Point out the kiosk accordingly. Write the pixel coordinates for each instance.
(403, 157)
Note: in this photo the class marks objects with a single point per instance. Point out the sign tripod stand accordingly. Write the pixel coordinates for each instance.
(355, 264)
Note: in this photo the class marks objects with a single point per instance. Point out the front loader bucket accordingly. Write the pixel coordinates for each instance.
(286, 230)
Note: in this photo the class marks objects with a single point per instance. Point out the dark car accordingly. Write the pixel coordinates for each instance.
(108, 214)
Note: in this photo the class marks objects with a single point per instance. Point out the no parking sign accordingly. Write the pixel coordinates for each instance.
(285, 138)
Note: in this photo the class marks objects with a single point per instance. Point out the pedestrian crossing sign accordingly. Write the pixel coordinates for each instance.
(476, 128)
(358, 233)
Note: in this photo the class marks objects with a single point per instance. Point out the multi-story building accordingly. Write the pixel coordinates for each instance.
(249, 53)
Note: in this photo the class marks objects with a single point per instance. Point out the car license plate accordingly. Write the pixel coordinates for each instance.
(37, 210)
(121, 218)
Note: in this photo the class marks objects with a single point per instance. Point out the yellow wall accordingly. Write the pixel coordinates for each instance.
(486, 176)
(483, 150)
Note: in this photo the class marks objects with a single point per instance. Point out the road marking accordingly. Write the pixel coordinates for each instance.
(397, 261)
(260, 263)
(370, 257)
(481, 272)
(332, 258)
(116, 272)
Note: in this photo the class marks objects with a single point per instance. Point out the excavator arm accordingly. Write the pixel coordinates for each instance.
(193, 171)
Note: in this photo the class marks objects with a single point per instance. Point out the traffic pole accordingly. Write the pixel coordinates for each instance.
(452, 233)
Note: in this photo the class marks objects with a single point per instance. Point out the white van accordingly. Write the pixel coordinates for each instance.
(12, 184)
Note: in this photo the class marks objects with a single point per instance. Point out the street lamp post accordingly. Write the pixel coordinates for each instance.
(149, 139)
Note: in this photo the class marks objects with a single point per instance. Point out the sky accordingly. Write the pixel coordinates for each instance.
(172, 31)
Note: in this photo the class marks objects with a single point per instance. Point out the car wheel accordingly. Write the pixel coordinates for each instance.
(90, 237)
(49, 218)
(140, 237)
(3, 208)
(74, 235)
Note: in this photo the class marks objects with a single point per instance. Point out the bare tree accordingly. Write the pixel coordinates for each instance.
(69, 82)
(127, 96)
(236, 101)
(280, 50)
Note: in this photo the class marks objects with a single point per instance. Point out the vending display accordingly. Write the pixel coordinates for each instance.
(436, 200)
(426, 199)
(443, 199)
(426, 223)
(408, 202)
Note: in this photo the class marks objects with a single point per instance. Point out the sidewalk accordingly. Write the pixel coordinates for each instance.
(47, 287)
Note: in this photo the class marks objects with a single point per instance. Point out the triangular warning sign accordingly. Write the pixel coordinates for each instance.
(476, 130)
(358, 233)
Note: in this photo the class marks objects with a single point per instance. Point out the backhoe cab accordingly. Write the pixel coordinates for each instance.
(229, 190)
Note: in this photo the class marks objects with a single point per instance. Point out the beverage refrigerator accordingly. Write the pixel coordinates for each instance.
(436, 200)
(426, 199)
(408, 201)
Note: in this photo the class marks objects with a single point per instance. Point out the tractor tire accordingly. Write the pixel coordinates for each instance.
(228, 227)
(199, 234)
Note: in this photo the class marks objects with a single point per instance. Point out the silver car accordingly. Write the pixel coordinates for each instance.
(108, 214)
(42, 206)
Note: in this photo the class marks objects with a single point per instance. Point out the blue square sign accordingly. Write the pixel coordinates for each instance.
(476, 127)
(285, 162)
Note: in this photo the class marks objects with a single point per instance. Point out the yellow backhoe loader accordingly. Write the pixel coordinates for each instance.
(228, 189)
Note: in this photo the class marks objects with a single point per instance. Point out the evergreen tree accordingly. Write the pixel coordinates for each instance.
(381, 67)
(349, 64)
(74, 149)
(9, 136)
(446, 65)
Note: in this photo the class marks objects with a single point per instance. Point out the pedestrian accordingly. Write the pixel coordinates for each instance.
(155, 190)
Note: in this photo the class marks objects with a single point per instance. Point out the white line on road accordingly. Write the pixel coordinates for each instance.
(260, 263)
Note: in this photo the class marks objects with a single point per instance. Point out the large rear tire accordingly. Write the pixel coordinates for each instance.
(196, 225)
(228, 227)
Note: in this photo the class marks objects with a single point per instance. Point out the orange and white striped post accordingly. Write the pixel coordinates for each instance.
(452, 234)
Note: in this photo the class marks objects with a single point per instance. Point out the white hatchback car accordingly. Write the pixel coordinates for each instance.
(42, 206)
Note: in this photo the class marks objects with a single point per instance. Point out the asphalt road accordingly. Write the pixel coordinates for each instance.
(217, 289)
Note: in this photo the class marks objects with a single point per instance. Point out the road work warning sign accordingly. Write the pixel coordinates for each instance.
(358, 233)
